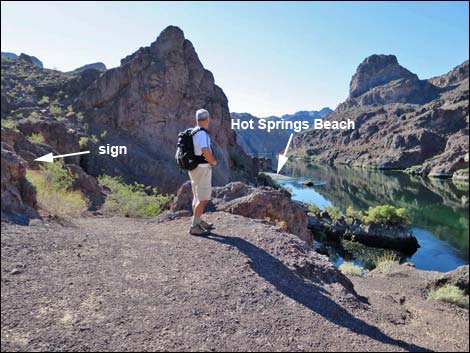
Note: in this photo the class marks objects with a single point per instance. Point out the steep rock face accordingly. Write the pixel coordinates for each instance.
(377, 70)
(18, 195)
(145, 102)
(379, 79)
(401, 121)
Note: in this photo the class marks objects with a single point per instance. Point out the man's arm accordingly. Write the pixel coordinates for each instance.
(209, 156)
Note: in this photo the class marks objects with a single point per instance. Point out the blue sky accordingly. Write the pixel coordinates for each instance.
(269, 58)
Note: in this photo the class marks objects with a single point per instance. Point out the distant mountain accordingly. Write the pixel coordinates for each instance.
(401, 121)
(258, 141)
(96, 66)
(13, 56)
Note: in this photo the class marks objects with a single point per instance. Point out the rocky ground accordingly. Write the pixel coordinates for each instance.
(144, 284)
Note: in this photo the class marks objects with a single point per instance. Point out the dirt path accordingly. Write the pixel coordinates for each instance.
(126, 284)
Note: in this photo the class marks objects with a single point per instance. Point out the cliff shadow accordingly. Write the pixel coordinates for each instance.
(307, 294)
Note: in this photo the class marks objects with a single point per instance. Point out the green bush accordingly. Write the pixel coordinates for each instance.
(450, 294)
(38, 138)
(334, 212)
(350, 269)
(351, 212)
(57, 175)
(313, 208)
(83, 142)
(53, 183)
(387, 214)
(10, 124)
(44, 100)
(55, 109)
(135, 200)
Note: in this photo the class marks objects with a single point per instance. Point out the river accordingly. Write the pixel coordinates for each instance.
(439, 208)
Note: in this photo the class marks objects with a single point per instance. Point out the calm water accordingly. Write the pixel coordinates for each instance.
(439, 208)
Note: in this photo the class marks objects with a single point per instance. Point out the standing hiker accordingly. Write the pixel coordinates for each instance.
(194, 154)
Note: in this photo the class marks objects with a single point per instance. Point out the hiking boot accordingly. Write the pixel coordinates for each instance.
(198, 231)
(207, 226)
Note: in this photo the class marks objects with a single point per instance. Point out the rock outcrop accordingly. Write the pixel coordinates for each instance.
(18, 195)
(400, 121)
(264, 203)
(458, 277)
(146, 101)
(99, 66)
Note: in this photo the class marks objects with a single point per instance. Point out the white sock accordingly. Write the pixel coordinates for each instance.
(195, 221)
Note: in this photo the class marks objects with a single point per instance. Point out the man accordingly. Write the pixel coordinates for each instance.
(201, 176)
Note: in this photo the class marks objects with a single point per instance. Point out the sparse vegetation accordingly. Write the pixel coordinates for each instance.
(44, 100)
(351, 269)
(10, 124)
(387, 214)
(313, 208)
(80, 116)
(450, 294)
(53, 183)
(103, 134)
(37, 138)
(132, 200)
(334, 212)
(55, 109)
(384, 262)
(281, 224)
(83, 142)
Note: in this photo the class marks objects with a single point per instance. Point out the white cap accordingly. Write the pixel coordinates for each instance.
(202, 114)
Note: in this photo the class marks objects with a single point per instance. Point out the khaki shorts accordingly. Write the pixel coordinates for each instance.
(201, 183)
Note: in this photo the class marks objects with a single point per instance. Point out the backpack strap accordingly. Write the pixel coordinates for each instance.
(197, 129)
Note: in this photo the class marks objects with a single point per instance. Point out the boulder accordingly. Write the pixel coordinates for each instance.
(264, 203)
(458, 277)
(18, 194)
(88, 185)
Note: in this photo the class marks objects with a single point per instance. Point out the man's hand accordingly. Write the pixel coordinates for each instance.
(209, 157)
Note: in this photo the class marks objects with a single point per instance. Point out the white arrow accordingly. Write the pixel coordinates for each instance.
(283, 158)
(50, 157)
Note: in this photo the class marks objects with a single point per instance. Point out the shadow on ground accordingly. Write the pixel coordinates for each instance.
(307, 294)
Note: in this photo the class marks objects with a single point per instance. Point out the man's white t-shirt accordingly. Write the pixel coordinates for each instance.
(201, 140)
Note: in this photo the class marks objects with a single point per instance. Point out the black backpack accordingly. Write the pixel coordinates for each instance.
(185, 157)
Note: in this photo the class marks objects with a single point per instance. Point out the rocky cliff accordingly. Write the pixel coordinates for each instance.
(146, 101)
(142, 104)
(401, 121)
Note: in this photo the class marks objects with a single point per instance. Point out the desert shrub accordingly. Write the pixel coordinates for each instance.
(387, 214)
(44, 100)
(334, 212)
(313, 208)
(383, 262)
(10, 124)
(103, 134)
(350, 269)
(132, 200)
(83, 142)
(80, 116)
(55, 109)
(282, 224)
(38, 138)
(450, 294)
(53, 183)
(57, 175)
(352, 213)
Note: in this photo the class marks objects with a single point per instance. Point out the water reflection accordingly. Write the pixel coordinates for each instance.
(439, 207)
